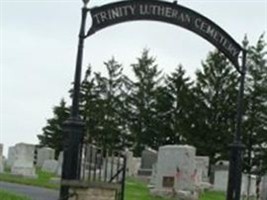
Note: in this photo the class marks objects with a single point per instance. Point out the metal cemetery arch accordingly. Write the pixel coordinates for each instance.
(124, 11)
(157, 10)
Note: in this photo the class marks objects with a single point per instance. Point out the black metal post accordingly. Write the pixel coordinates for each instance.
(235, 168)
(74, 126)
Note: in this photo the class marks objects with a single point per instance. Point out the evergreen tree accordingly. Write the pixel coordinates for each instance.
(215, 107)
(255, 132)
(52, 135)
(89, 106)
(142, 100)
(163, 130)
(180, 94)
(124, 112)
(102, 105)
(112, 104)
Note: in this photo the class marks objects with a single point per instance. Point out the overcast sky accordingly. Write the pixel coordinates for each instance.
(39, 44)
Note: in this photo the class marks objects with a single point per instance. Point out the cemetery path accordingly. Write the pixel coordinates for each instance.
(35, 193)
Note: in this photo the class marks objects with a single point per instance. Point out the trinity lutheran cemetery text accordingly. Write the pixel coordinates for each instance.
(167, 12)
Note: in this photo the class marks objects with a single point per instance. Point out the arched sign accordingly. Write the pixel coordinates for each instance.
(172, 13)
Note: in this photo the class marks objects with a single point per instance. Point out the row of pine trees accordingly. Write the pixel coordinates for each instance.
(153, 109)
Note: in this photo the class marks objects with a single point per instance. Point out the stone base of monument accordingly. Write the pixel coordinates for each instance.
(187, 195)
(169, 193)
(204, 186)
(144, 172)
(23, 169)
(172, 193)
(81, 190)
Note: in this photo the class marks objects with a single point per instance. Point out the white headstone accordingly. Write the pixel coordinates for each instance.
(221, 180)
(248, 187)
(221, 175)
(136, 165)
(130, 163)
(1, 158)
(176, 169)
(264, 188)
(148, 159)
(50, 166)
(44, 154)
(60, 163)
(223, 163)
(153, 177)
(1, 149)
(11, 156)
(24, 160)
(202, 165)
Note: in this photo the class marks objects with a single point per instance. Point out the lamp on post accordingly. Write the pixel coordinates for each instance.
(85, 2)
(73, 128)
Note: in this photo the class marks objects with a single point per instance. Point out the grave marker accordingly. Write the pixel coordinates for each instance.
(1, 158)
(43, 154)
(175, 170)
(24, 160)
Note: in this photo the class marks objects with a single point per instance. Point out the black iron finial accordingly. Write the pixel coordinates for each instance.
(245, 41)
(85, 2)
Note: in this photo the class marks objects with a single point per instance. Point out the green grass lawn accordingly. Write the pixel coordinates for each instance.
(135, 190)
(211, 195)
(42, 180)
(4, 195)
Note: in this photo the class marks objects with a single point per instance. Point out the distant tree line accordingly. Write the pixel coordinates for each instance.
(155, 109)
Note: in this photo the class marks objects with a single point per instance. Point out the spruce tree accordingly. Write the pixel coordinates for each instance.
(255, 131)
(142, 99)
(215, 107)
(89, 106)
(110, 96)
(163, 116)
(124, 113)
(180, 92)
(52, 135)
(102, 105)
